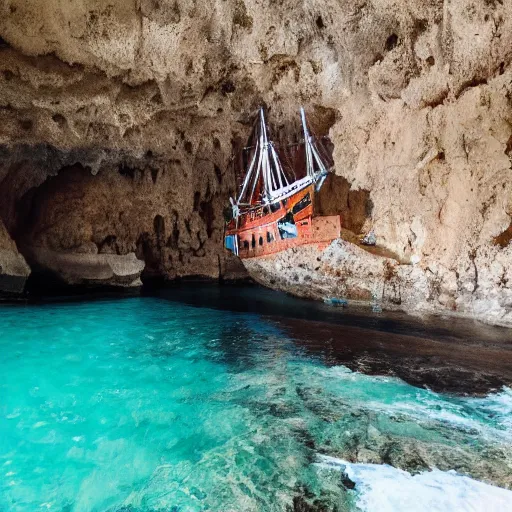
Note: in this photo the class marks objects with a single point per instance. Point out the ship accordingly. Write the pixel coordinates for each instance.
(275, 206)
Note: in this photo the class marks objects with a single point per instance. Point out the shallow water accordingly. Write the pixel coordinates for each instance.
(149, 405)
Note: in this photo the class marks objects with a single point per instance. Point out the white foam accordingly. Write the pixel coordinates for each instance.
(383, 488)
(490, 416)
(499, 404)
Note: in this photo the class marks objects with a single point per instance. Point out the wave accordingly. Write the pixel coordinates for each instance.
(490, 416)
(383, 488)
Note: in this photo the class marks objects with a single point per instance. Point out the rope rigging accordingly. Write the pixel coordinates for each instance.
(266, 180)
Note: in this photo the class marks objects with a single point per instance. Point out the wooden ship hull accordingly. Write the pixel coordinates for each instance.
(292, 223)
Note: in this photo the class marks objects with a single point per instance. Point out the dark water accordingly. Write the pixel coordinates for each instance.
(238, 399)
(443, 354)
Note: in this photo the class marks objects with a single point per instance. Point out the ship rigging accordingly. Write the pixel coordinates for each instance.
(266, 182)
(274, 211)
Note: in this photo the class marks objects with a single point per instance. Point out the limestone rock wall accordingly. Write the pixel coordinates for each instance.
(13, 267)
(150, 98)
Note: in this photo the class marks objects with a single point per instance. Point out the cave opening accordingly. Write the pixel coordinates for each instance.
(8, 75)
(197, 200)
(107, 245)
(391, 42)
(218, 173)
(159, 228)
(127, 171)
(207, 213)
(56, 208)
(59, 120)
(228, 87)
(26, 124)
(508, 147)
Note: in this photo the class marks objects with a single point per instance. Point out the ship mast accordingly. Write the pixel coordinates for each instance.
(265, 181)
(274, 178)
(312, 156)
(265, 176)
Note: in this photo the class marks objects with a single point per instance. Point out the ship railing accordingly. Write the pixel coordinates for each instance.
(285, 192)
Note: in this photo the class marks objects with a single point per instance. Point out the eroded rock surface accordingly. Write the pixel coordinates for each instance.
(14, 270)
(150, 98)
(348, 271)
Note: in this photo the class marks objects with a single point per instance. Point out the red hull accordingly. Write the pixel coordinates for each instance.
(262, 232)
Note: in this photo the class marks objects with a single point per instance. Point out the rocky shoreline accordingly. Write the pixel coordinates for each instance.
(348, 271)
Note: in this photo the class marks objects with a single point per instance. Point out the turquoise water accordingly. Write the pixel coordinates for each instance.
(148, 405)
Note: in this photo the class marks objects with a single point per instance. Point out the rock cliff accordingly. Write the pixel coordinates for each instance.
(13, 267)
(118, 120)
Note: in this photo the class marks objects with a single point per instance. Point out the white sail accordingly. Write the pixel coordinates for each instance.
(265, 169)
(266, 166)
(312, 156)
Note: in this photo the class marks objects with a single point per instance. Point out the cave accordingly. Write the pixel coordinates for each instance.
(391, 42)
(255, 256)
(159, 228)
(115, 154)
(62, 216)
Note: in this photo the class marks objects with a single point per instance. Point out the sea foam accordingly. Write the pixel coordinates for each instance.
(384, 488)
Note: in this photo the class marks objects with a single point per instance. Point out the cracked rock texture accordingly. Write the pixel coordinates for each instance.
(13, 267)
(118, 120)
